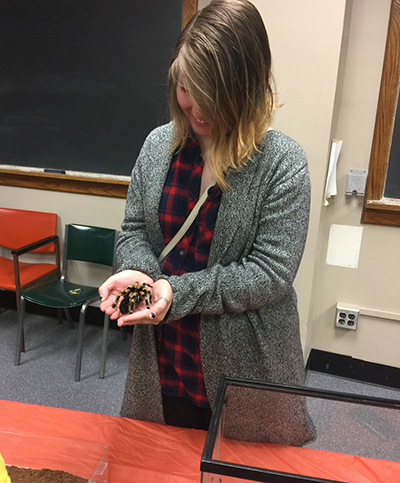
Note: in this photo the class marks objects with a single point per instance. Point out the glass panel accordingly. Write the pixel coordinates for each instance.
(313, 435)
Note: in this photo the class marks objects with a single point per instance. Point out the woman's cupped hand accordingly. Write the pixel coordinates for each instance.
(161, 298)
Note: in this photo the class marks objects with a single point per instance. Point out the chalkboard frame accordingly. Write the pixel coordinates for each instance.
(377, 208)
(83, 183)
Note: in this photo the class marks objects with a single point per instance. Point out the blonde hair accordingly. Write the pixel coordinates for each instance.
(223, 58)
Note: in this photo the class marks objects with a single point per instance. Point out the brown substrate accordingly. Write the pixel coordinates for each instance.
(28, 475)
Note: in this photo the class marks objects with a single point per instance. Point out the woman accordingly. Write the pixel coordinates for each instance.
(223, 299)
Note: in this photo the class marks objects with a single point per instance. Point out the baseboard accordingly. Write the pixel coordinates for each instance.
(356, 369)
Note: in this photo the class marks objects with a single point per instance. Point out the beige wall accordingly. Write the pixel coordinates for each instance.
(374, 284)
(327, 62)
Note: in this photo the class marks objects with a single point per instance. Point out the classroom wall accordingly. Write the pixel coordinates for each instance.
(304, 43)
(374, 284)
(327, 62)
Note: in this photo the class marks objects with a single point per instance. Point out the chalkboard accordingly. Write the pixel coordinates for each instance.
(82, 82)
(392, 186)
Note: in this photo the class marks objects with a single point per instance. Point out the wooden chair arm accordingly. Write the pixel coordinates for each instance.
(35, 245)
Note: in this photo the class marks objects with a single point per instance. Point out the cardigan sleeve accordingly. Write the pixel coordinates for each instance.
(266, 273)
(134, 248)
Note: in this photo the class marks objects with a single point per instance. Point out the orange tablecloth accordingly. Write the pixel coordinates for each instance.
(141, 452)
(312, 462)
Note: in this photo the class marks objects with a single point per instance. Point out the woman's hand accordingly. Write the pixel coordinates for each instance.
(112, 286)
(162, 299)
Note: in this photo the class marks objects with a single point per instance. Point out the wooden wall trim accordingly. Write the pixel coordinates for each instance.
(378, 209)
(189, 8)
(92, 185)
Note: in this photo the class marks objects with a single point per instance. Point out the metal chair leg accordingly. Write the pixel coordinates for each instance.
(104, 346)
(18, 294)
(123, 333)
(20, 332)
(69, 318)
(81, 328)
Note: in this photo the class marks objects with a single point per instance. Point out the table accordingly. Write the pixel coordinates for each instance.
(139, 452)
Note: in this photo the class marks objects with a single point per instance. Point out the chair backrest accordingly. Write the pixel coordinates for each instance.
(90, 244)
(22, 227)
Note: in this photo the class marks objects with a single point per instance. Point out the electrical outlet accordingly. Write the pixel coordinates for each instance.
(347, 316)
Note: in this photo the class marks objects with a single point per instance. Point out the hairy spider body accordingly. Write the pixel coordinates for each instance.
(130, 297)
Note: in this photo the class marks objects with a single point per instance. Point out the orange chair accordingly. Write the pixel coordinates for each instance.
(22, 232)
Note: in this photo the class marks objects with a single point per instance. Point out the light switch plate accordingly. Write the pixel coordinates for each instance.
(356, 181)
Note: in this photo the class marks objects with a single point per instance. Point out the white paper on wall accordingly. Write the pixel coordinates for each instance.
(344, 246)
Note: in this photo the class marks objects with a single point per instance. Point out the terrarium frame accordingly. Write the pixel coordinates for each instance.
(210, 465)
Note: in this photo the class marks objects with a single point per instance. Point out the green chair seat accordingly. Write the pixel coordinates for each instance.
(60, 294)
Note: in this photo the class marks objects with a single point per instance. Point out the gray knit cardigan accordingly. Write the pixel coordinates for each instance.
(249, 326)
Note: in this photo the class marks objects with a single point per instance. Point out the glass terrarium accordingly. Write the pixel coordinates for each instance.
(284, 434)
(86, 459)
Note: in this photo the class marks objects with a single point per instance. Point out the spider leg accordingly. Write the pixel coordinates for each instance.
(123, 293)
(116, 300)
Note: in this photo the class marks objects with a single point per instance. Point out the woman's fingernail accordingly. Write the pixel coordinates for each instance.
(152, 315)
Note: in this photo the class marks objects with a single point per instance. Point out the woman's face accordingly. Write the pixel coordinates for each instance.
(192, 111)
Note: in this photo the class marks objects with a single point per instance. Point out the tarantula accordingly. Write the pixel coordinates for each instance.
(132, 296)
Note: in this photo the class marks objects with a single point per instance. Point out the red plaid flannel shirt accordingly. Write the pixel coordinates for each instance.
(178, 341)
